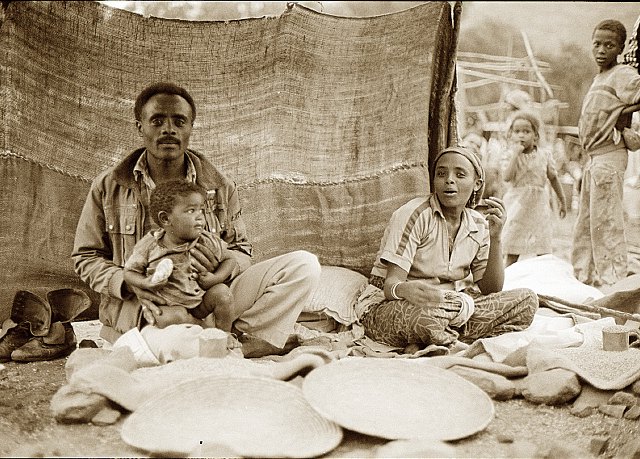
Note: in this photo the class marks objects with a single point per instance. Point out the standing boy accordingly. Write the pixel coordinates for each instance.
(599, 248)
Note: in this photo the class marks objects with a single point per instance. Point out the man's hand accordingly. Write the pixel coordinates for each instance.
(203, 259)
(149, 301)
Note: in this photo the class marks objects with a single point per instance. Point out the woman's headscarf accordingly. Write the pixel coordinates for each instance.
(477, 166)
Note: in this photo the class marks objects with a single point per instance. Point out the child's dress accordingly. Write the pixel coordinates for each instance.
(528, 229)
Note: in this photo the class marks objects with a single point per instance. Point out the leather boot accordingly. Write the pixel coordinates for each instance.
(15, 338)
(30, 316)
(60, 341)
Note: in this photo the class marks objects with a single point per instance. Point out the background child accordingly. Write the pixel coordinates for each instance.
(177, 207)
(528, 229)
(599, 253)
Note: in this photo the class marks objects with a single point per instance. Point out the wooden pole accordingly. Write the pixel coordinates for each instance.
(591, 308)
(534, 64)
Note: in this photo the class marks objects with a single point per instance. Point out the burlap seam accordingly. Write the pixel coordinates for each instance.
(293, 181)
(8, 154)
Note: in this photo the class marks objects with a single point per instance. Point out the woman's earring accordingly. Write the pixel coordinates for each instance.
(473, 198)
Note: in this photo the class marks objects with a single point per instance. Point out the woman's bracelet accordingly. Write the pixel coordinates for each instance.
(394, 295)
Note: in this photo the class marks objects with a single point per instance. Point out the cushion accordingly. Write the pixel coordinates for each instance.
(337, 293)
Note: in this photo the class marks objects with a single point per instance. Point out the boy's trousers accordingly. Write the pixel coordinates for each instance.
(599, 246)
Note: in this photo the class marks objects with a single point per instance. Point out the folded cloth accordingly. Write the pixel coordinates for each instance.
(449, 361)
(155, 346)
(174, 342)
(117, 376)
(134, 341)
(552, 332)
(572, 343)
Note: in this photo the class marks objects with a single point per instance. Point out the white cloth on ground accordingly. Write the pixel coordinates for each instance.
(549, 275)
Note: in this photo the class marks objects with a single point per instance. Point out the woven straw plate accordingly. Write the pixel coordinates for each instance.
(398, 399)
(249, 416)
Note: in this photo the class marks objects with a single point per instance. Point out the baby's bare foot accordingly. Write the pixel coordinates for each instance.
(209, 321)
(173, 315)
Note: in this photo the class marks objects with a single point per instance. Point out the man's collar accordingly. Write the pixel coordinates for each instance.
(141, 170)
(207, 174)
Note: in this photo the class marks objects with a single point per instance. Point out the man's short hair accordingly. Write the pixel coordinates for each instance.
(614, 26)
(163, 197)
(162, 88)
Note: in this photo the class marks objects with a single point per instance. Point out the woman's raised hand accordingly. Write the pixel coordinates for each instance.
(495, 214)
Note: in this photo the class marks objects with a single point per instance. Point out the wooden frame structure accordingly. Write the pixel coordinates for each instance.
(477, 70)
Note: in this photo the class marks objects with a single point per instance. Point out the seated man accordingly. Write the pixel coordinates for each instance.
(116, 215)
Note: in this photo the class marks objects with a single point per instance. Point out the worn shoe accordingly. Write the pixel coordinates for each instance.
(29, 307)
(14, 339)
(60, 342)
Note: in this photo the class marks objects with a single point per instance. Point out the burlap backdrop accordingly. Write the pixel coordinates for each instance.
(326, 123)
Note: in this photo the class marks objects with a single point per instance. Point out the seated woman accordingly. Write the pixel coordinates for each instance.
(439, 272)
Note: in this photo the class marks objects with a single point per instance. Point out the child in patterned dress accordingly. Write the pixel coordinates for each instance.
(528, 229)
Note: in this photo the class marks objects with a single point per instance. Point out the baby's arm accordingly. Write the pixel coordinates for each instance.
(136, 266)
(141, 281)
(226, 269)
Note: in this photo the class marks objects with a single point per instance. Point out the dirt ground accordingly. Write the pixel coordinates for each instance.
(28, 429)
